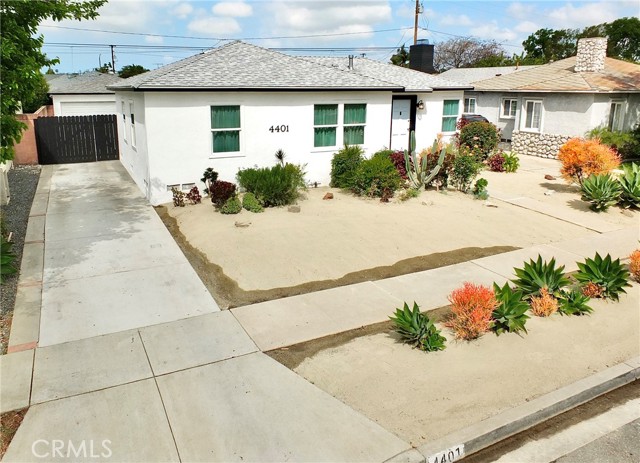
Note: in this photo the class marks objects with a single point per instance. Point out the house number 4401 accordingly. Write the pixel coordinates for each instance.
(279, 128)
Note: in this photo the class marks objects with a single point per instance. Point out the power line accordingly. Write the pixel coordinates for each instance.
(337, 34)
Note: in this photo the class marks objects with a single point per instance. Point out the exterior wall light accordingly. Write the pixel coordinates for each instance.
(420, 104)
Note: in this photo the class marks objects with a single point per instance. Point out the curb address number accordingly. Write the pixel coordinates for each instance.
(448, 456)
(279, 128)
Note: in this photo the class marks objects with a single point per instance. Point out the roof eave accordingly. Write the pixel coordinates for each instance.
(258, 89)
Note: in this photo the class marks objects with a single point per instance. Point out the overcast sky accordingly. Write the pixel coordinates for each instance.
(336, 24)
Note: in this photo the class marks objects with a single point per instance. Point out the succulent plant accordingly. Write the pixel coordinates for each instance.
(609, 275)
(417, 169)
(538, 275)
(416, 329)
(601, 191)
(573, 302)
(510, 315)
(178, 197)
(630, 185)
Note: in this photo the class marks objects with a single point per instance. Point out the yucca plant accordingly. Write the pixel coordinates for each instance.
(510, 315)
(7, 258)
(630, 185)
(601, 191)
(416, 329)
(418, 170)
(537, 275)
(573, 302)
(609, 275)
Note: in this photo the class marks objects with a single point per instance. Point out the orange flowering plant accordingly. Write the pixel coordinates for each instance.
(581, 158)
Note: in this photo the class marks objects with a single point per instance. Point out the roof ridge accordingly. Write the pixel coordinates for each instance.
(167, 68)
(333, 68)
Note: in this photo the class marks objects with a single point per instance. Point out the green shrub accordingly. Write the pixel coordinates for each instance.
(376, 177)
(537, 275)
(7, 258)
(409, 193)
(573, 303)
(480, 137)
(251, 203)
(273, 186)
(441, 180)
(601, 190)
(510, 314)
(606, 276)
(480, 189)
(465, 169)
(511, 162)
(627, 144)
(344, 165)
(231, 206)
(416, 329)
(630, 185)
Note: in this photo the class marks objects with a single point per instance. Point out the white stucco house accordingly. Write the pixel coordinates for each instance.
(234, 106)
(82, 94)
(538, 109)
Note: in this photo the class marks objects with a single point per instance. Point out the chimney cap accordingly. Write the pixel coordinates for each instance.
(422, 42)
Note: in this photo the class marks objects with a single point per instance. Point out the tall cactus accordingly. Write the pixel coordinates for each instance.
(417, 169)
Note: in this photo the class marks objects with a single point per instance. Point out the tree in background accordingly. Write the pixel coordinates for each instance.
(37, 96)
(546, 45)
(401, 57)
(466, 53)
(21, 56)
(104, 69)
(131, 70)
(623, 38)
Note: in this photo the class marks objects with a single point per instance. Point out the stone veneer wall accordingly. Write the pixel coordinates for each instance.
(591, 54)
(543, 145)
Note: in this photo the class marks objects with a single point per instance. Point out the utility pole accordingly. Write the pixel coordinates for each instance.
(113, 59)
(415, 24)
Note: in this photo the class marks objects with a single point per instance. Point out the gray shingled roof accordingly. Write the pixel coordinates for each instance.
(411, 80)
(90, 82)
(239, 65)
(471, 75)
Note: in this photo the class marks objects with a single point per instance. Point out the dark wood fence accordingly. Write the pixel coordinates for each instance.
(67, 139)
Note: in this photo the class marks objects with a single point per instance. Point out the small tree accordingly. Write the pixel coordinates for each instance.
(131, 70)
(580, 158)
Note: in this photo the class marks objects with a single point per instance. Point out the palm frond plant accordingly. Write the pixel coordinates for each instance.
(602, 191)
(510, 314)
(630, 185)
(539, 274)
(609, 276)
(416, 329)
(573, 302)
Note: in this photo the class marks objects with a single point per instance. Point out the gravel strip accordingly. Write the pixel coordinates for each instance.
(23, 181)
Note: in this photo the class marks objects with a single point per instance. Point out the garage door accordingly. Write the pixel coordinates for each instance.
(86, 108)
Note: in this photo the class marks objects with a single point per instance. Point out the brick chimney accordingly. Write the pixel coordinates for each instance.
(591, 54)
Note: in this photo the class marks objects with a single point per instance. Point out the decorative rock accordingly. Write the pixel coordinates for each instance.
(549, 177)
(549, 192)
(427, 203)
(294, 209)
(242, 224)
(328, 196)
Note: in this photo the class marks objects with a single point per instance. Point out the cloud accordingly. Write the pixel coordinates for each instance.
(153, 39)
(570, 17)
(492, 31)
(182, 10)
(520, 10)
(232, 9)
(331, 17)
(526, 27)
(213, 26)
(456, 20)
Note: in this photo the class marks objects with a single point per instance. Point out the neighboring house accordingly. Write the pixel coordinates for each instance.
(470, 76)
(234, 106)
(539, 109)
(82, 94)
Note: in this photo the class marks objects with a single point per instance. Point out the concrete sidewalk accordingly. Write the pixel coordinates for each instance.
(134, 359)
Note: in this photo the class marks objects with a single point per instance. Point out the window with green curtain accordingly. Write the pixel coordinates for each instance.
(325, 120)
(355, 116)
(450, 115)
(225, 117)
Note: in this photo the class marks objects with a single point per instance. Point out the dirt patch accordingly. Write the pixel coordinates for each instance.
(228, 293)
(292, 356)
(9, 424)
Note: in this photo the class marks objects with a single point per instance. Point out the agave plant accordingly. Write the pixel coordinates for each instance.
(630, 185)
(601, 191)
(418, 169)
(537, 275)
(510, 314)
(7, 258)
(416, 328)
(610, 276)
(573, 302)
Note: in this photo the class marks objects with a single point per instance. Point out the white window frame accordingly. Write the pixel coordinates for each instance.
(467, 109)
(132, 124)
(124, 122)
(338, 126)
(227, 154)
(620, 110)
(523, 116)
(456, 116)
(513, 108)
(359, 124)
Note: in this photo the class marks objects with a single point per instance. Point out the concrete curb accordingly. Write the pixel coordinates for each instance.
(497, 428)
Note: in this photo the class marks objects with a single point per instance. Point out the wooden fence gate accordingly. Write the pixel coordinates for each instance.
(67, 139)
